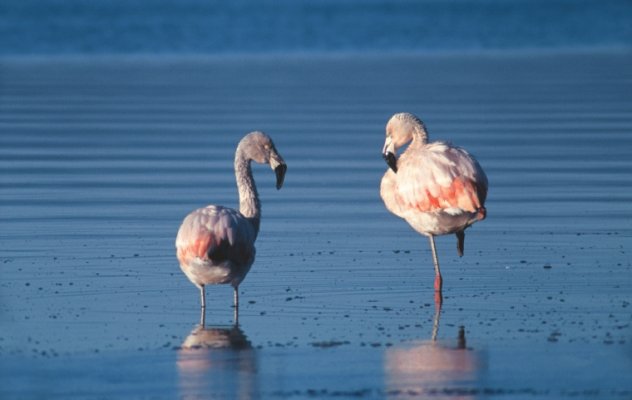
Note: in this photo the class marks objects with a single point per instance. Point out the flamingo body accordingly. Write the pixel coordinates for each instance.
(436, 187)
(215, 245)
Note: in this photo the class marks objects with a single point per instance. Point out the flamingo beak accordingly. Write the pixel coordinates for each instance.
(391, 160)
(388, 152)
(279, 167)
(280, 170)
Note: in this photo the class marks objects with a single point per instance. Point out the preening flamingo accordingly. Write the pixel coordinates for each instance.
(436, 187)
(215, 244)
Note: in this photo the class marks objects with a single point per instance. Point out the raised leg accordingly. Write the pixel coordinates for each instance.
(438, 283)
(460, 242)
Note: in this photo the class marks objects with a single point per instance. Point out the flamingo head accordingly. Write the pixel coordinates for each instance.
(400, 130)
(259, 147)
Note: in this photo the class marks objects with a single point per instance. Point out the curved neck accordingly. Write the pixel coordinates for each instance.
(249, 205)
(420, 135)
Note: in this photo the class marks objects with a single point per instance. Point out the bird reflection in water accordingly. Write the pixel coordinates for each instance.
(433, 367)
(217, 361)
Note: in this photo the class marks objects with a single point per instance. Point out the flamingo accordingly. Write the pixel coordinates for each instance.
(436, 187)
(216, 244)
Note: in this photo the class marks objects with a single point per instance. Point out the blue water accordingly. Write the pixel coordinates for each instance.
(101, 159)
(71, 27)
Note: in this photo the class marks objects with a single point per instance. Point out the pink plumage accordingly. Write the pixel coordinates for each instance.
(216, 246)
(436, 187)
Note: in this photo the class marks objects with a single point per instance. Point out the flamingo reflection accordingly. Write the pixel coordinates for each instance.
(217, 361)
(432, 366)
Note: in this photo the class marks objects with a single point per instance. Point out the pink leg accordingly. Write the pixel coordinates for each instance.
(438, 299)
(438, 283)
(437, 316)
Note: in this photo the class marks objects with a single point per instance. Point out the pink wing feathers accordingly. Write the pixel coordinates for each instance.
(441, 177)
(215, 234)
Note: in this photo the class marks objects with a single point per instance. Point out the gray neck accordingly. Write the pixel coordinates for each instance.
(249, 205)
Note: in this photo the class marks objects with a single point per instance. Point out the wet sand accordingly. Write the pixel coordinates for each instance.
(102, 158)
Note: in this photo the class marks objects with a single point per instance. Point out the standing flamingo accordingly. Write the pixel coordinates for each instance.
(215, 244)
(436, 187)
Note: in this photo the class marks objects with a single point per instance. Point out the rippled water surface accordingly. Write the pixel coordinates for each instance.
(101, 160)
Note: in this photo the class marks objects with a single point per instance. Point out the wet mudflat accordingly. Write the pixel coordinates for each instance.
(102, 158)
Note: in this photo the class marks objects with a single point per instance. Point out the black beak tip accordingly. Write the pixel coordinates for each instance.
(279, 171)
(391, 161)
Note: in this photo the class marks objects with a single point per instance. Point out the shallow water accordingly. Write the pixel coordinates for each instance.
(101, 160)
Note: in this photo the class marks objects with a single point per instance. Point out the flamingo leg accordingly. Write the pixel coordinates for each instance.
(202, 296)
(435, 322)
(460, 242)
(438, 283)
(438, 297)
(235, 306)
